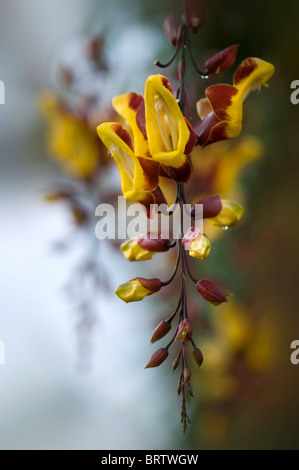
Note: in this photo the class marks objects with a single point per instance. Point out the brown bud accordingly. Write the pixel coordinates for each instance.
(160, 331)
(187, 375)
(212, 206)
(222, 60)
(179, 387)
(193, 14)
(175, 363)
(211, 292)
(197, 356)
(158, 245)
(157, 358)
(172, 28)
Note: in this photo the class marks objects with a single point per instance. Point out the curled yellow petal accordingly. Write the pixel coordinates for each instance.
(229, 216)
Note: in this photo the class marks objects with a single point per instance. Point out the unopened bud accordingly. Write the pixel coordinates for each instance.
(187, 375)
(197, 356)
(211, 292)
(172, 29)
(175, 364)
(160, 331)
(193, 14)
(179, 387)
(157, 358)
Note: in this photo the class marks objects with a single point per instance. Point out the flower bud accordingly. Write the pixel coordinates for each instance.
(211, 292)
(197, 356)
(200, 247)
(229, 215)
(157, 358)
(187, 375)
(138, 288)
(161, 330)
(134, 252)
(175, 363)
(171, 29)
(222, 60)
(193, 14)
(185, 331)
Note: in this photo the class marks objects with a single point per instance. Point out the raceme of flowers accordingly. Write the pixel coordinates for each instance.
(156, 142)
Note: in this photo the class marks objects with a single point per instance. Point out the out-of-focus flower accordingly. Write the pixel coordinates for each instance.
(138, 288)
(170, 136)
(222, 109)
(71, 140)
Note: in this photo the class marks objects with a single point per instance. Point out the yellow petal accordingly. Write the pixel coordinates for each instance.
(127, 106)
(229, 216)
(133, 251)
(167, 131)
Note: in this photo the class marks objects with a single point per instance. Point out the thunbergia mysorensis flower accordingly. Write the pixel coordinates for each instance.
(164, 139)
(222, 109)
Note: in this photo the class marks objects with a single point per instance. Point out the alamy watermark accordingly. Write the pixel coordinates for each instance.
(295, 354)
(2, 353)
(130, 220)
(295, 94)
(2, 92)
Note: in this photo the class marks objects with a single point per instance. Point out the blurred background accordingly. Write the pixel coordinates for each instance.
(74, 376)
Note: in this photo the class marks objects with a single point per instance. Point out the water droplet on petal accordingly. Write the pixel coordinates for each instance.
(225, 228)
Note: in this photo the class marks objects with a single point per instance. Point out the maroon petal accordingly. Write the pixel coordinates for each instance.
(222, 60)
(171, 28)
(211, 207)
(211, 292)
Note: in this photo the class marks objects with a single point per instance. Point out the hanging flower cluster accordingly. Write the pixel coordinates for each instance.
(155, 143)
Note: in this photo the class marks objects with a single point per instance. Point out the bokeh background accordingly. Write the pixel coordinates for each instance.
(47, 401)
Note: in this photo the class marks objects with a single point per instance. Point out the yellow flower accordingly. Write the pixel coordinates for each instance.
(170, 136)
(222, 109)
(71, 141)
(138, 288)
